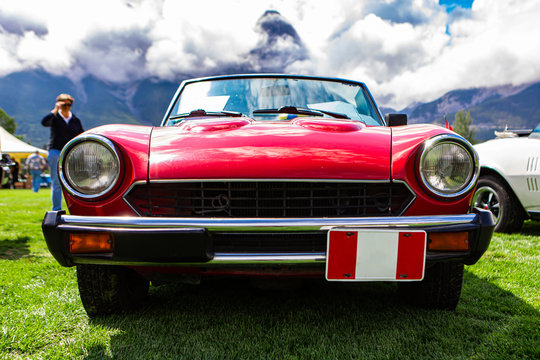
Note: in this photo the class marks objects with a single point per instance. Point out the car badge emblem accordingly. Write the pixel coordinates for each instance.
(221, 202)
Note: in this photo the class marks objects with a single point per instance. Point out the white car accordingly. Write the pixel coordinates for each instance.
(509, 179)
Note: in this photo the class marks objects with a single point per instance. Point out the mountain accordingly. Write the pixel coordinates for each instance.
(457, 100)
(492, 108)
(28, 96)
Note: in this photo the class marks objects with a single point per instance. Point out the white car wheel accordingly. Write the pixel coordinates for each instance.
(486, 198)
(493, 195)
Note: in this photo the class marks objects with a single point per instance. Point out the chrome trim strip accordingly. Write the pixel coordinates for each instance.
(135, 183)
(250, 258)
(412, 192)
(106, 223)
(273, 180)
(221, 260)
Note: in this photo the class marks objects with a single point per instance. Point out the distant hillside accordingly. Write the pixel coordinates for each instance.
(28, 96)
(491, 108)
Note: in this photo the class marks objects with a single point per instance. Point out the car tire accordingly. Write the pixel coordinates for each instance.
(110, 289)
(491, 194)
(440, 289)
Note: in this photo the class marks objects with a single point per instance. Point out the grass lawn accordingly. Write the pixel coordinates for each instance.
(41, 316)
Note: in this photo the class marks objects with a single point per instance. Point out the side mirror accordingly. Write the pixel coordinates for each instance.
(396, 119)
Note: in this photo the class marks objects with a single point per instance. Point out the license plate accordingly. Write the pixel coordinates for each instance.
(375, 255)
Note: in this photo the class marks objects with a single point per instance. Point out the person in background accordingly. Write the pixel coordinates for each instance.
(15, 171)
(35, 165)
(7, 171)
(64, 127)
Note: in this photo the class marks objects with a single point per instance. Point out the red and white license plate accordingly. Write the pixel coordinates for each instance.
(375, 255)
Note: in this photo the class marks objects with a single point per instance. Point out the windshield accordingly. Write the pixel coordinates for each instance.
(274, 99)
(535, 133)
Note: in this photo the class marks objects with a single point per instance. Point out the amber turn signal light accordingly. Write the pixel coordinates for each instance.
(448, 241)
(90, 242)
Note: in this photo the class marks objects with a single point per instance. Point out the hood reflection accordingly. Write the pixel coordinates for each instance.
(271, 150)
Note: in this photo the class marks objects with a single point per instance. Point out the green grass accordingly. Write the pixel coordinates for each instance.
(41, 316)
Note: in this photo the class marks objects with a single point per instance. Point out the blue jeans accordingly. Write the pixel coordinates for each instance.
(56, 192)
(36, 179)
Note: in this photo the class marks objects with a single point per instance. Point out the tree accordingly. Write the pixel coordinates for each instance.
(7, 122)
(463, 125)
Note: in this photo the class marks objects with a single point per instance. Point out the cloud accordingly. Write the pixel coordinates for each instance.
(490, 44)
(19, 23)
(383, 49)
(402, 11)
(191, 40)
(496, 45)
(102, 53)
(76, 38)
(405, 50)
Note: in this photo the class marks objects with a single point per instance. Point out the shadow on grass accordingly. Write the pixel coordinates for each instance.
(531, 228)
(232, 319)
(14, 249)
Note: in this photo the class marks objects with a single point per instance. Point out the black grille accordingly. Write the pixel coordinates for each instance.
(270, 199)
(261, 242)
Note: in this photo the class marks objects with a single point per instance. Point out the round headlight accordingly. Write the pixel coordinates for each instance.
(89, 166)
(448, 166)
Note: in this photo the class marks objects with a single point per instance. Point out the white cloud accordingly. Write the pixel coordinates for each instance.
(8, 59)
(198, 37)
(497, 45)
(400, 48)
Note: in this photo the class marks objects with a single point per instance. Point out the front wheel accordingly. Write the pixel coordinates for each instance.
(440, 289)
(494, 196)
(110, 289)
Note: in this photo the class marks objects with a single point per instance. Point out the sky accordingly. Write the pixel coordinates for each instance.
(406, 51)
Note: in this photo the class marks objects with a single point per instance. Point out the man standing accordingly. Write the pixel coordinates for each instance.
(64, 127)
(35, 165)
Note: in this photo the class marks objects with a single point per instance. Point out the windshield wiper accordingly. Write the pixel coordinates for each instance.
(203, 113)
(300, 111)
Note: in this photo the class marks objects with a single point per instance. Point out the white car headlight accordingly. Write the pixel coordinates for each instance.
(89, 166)
(448, 165)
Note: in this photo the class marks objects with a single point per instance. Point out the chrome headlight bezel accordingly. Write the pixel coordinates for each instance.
(456, 140)
(65, 178)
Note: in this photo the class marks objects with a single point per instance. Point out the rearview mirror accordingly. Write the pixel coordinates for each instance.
(396, 119)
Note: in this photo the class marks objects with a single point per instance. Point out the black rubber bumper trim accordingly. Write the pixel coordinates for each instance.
(158, 245)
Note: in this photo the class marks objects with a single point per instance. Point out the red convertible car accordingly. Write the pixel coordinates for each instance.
(269, 176)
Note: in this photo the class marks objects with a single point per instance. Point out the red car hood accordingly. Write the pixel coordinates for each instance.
(238, 148)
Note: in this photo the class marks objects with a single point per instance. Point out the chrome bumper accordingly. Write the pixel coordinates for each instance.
(185, 241)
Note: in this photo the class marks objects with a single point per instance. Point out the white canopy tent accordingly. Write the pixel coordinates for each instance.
(16, 148)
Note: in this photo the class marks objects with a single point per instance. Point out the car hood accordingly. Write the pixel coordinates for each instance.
(240, 148)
